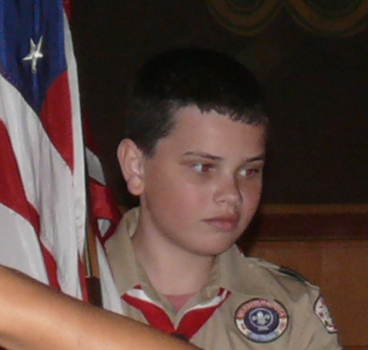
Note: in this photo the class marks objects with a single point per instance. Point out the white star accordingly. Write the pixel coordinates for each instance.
(34, 54)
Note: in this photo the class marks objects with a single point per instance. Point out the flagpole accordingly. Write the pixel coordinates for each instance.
(92, 271)
(90, 255)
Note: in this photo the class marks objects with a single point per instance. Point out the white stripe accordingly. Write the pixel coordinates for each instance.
(103, 226)
(79, 161)
(110, 295)
(95, 171)
(140, 294)
(214, 302)
(19, 245)
(94, 167)
(23, 128)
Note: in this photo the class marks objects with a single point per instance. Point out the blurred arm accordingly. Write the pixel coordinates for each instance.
(34, 317)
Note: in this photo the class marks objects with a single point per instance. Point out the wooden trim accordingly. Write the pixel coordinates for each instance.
(314, 209)
(309, 222)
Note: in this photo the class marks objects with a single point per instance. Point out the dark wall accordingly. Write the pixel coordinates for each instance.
(316, 86)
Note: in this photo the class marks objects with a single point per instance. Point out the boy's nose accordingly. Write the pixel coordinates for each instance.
(228, 192)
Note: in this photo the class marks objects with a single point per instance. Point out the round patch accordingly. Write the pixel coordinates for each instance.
(321, 310)
(261, 320)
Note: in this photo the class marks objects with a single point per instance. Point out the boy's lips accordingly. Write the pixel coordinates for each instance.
(223, 222)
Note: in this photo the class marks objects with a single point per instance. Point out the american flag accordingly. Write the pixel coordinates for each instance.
(42, 157)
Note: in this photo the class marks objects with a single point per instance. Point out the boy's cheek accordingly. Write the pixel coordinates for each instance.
(252, 192)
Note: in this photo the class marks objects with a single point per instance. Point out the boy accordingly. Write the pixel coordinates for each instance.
(194, 155)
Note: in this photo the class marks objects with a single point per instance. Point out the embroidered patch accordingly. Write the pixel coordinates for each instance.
(261, 320)
(321, 310)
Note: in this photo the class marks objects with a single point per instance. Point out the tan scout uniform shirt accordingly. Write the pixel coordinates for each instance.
(266, 309)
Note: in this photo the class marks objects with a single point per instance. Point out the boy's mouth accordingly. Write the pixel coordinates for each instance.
(224, 223)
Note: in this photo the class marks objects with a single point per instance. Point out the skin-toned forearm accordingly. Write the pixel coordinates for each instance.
(34, 317)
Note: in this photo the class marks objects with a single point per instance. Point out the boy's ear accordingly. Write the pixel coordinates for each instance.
(131, 160)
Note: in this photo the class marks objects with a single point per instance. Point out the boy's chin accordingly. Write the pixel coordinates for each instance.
(214, 249)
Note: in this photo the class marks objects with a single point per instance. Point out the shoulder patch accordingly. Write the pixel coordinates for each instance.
(322, 312)
(292, 273)
(261, 320)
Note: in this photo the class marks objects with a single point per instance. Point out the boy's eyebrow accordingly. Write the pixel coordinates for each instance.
(202, 155)
(260, 158)
(209, 156)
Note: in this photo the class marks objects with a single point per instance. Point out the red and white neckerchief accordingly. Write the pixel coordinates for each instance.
(192, 320)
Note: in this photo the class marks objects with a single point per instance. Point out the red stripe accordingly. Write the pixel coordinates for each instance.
(102, 201)
(51, 268)
(189, 325)
(56, 117)
(104, 206)
(88, 136)
(12, 195)
(193, 321)
(154, 315)
(67, 8)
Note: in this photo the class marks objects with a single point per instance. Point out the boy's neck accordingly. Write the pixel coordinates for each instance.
(171, 270)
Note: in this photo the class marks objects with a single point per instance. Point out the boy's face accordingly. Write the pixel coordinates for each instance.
(202, 186)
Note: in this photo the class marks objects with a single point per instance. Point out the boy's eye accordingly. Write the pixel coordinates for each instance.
(202, 167)
(248, 172)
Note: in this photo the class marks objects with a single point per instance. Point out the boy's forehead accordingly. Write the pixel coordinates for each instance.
(194, 130)
(191, 118)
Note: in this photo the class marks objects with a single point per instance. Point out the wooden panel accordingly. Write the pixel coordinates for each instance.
(309, 222)
(340, 268)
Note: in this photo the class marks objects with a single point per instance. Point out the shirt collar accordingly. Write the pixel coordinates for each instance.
(231, 271)
(239, 274)
(125, 267)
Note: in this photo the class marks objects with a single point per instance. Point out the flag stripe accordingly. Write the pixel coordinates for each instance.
(56, 117)
(110, 213)
(12, 195)
(12, 192)
(19, 245)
